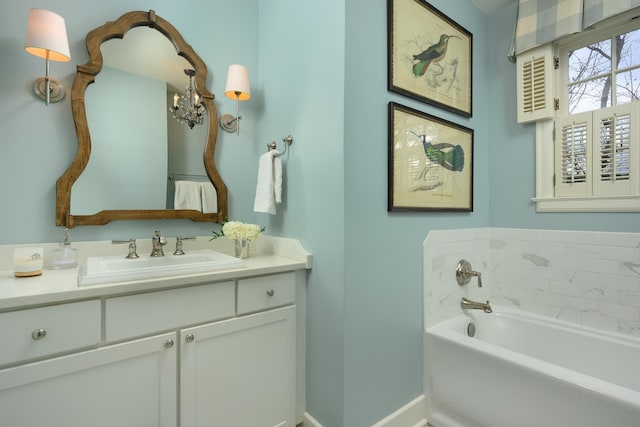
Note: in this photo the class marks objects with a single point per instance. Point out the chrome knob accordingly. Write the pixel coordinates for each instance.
(189, 338)
(38, 334)
(271, 292)
(168, 343)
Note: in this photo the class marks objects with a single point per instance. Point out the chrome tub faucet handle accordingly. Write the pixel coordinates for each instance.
(464, 273)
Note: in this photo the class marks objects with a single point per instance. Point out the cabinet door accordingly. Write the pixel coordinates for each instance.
(239, 372)
(126, 385)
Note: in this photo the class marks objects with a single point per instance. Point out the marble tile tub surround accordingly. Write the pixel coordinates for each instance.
(442, 251)
(589, 278)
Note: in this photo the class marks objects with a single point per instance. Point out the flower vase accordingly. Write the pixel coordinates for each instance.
(242, 248)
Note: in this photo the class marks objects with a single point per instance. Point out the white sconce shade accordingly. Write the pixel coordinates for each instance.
(237, 88)
(47, 38)
(238, 83)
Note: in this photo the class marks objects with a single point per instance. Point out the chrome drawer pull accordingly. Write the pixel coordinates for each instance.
(168, 343)
(38, 334)
(189, 338)
(271, 292)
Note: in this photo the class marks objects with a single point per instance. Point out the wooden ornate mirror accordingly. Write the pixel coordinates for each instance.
(85, 76)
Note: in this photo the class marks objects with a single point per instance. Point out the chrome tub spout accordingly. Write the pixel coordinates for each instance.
(467, 304)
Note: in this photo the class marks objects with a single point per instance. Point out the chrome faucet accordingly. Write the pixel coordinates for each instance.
(467, 304)
(157, 243)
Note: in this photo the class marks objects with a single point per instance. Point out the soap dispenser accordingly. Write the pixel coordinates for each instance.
(64, 256)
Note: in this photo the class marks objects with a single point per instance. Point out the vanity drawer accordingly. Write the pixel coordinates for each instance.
(265, 292)
(142, 314)
(37, 332)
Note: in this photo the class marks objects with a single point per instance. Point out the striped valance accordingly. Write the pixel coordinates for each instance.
(543, 21)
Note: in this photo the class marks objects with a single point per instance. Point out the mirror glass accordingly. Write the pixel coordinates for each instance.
(132, 153)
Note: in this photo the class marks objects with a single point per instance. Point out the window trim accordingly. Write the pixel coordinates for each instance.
(545, 199)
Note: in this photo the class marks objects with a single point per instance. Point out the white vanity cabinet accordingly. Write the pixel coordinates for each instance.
(242, 371)
(225, 353)
(126, 385)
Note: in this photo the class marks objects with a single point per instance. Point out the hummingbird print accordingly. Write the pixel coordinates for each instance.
(434, 53)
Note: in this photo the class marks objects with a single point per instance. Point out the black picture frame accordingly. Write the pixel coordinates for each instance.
(430, 162)
(429, 56)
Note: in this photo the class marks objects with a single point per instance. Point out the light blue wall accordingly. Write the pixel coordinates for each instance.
(139, 135)
(383, 278)
(302, 84)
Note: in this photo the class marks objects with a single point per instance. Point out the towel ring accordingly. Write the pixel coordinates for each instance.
(288, 140)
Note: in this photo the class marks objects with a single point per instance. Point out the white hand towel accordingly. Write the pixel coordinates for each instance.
(187, 195)
(209, 197)
(277, 179)
(269, 186)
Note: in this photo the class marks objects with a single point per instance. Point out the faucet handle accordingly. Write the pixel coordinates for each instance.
(179, 240)
(161, 239)
(464, 273)
(132, 247)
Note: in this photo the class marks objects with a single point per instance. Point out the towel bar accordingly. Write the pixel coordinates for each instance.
(288, 140)
(176, 176)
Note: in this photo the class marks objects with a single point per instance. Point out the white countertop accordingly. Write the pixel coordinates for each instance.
(273, 255)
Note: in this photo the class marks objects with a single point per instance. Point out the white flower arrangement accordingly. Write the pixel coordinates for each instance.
(237, 230)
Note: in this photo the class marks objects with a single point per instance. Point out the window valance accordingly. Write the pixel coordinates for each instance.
(543, 21)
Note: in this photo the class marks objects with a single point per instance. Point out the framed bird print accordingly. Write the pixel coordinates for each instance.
(429, 56)
(430, 162)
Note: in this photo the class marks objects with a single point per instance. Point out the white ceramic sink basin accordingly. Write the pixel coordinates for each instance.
(106, 269)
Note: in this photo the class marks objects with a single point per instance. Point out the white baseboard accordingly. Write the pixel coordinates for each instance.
(309, 421)
(413, 414)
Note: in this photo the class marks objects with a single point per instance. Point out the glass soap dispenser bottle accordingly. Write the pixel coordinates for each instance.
(64, 256)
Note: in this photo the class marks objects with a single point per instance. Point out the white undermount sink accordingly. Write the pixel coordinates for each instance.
(106, 269)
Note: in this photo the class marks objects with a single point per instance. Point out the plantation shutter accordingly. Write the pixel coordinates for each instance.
(573, 163)
(615, 156)
(535, 84)
(596, 153)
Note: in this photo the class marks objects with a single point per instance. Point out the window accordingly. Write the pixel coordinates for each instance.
(592, 118)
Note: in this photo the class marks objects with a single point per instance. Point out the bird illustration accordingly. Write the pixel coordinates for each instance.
(447, 155)
(434, 53)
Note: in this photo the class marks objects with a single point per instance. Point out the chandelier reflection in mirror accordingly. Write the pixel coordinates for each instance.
(187, 108)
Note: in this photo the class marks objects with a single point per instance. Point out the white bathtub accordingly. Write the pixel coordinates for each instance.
(524, 370)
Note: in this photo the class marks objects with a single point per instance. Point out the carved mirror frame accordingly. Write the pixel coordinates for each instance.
(85, 76)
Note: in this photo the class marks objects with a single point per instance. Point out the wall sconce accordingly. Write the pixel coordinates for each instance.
(47, 38)
(187, 108)
(237, 88)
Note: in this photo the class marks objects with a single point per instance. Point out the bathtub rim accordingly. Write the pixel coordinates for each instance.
(453, 330)
(508, 312)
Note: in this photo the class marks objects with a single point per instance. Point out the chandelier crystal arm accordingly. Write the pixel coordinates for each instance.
(187, 108)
